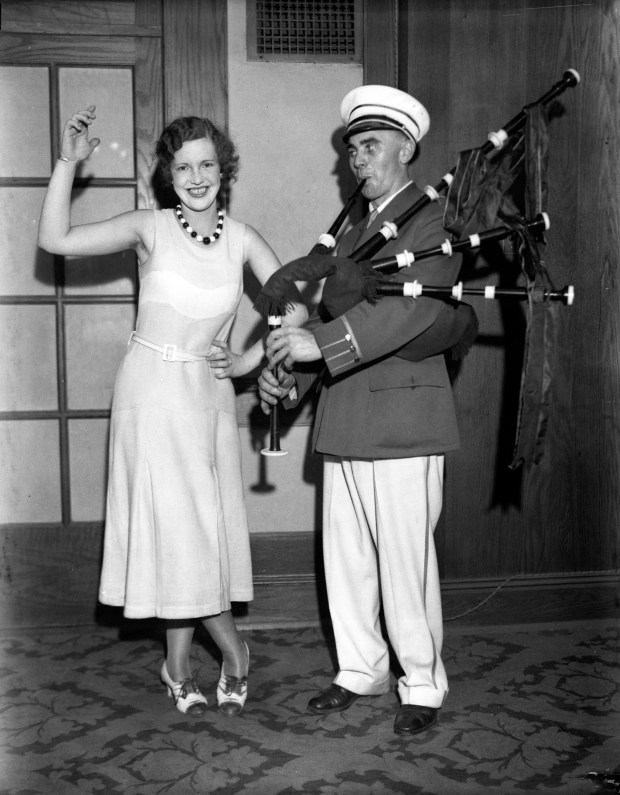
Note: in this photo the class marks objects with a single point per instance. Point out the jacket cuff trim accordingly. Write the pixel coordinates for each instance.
(343, 352)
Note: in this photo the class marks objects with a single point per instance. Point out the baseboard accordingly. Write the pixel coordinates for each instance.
(510, 601)
(49, 577)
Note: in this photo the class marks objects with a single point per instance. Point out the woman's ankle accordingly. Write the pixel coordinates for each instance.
(178, 671)
(235, 662)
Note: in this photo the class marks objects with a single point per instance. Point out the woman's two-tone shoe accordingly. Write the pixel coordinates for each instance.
(232, 691)
(187, 697)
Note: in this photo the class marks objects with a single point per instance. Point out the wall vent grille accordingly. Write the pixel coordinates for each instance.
(304, 30)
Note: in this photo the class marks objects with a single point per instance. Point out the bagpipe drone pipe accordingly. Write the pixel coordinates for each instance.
(497, 190)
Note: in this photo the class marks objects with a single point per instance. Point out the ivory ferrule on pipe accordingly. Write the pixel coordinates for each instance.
(498, 139)
(405, 259)
(412, 289)
(327, 240)
(446, 247)
(389, 230)
(274, 321)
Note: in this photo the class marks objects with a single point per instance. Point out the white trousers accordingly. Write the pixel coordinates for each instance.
(378, 523)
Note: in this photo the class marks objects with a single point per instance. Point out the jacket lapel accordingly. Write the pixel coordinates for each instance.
(361, 233)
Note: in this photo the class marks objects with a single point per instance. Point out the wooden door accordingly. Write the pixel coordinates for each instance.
(64, 322)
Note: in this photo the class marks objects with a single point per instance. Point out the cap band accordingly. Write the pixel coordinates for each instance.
(388, 108)
(366, 123)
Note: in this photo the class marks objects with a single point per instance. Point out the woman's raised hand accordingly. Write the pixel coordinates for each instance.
(75, 144)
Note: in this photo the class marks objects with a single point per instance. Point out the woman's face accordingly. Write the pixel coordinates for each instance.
(195, 174)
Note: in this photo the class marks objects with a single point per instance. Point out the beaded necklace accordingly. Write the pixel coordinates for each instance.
(192, 233)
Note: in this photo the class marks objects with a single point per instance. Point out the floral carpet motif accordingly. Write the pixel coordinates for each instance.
(531, 709)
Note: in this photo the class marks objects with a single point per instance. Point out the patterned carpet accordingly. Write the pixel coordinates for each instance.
(531, 709)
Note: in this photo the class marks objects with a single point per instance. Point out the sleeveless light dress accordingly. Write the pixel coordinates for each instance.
(176, 537)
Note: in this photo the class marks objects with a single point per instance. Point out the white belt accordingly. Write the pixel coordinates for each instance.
(170, 353)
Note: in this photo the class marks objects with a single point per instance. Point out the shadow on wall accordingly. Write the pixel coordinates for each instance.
(497, 262)
(85, 272)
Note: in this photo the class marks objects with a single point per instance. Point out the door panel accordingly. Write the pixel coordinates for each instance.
(30, 381)
(111, 90)
(24, 130)
(97, 336)
(112, 273)
(26, 269)
(29, 472)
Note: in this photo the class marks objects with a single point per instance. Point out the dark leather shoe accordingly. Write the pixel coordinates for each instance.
(413, 719)
(334, 699)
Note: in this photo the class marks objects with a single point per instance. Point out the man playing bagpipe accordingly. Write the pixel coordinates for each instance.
(383, 424)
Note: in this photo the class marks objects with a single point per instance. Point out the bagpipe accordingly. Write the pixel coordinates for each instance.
(503, 181)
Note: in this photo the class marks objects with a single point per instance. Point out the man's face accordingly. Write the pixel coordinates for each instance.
(381, 157)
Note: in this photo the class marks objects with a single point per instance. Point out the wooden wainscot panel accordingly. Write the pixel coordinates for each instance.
(49, 576)
(195, 59)
(20, 48)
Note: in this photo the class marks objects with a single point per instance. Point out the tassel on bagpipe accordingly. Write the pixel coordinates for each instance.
(496, 141)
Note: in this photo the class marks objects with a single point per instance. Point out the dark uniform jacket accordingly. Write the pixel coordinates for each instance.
(372, 403)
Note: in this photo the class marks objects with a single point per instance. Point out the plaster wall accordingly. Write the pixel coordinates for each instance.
(293, 180)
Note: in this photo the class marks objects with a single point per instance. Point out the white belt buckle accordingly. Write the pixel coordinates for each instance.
(170, 353)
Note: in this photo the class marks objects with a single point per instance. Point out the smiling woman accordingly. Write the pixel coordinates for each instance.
(176, 540)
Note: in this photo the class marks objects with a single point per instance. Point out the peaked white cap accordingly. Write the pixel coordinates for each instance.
(383, 107)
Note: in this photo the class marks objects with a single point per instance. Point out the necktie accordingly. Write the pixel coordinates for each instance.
(372, 217)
